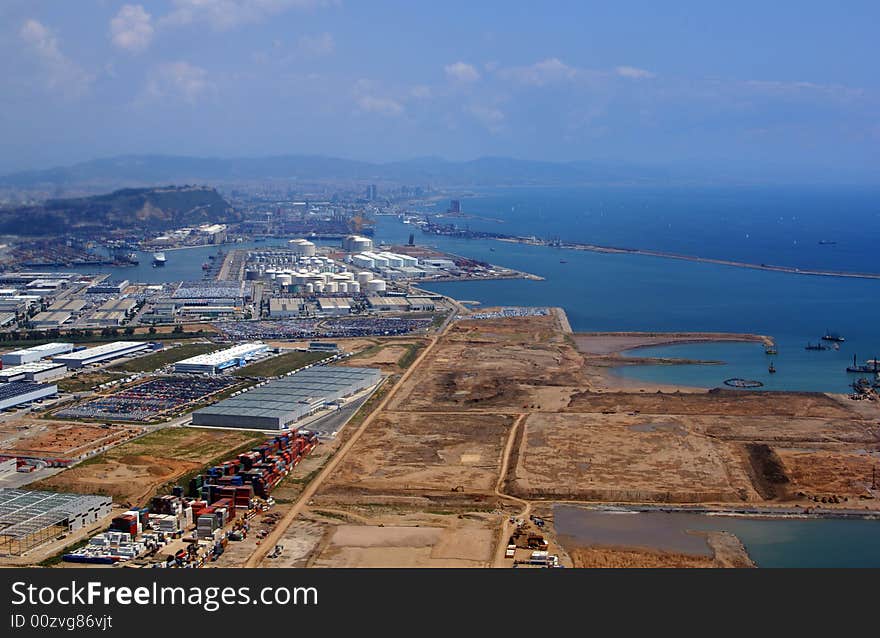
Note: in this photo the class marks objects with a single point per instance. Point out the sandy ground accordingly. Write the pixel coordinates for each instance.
(132, 472)
(58, 439)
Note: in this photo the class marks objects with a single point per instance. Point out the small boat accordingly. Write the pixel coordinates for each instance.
(770, 350)
(827, 242)
(772, 368)
(562, 261)
(206, 266)
(159, 259)
(815, 346)
(833, 336)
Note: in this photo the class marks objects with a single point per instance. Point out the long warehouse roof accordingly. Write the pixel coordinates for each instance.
(222, 356)
(280, 397)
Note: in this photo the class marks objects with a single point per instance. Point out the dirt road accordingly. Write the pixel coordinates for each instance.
(278, 532)
(506, 525)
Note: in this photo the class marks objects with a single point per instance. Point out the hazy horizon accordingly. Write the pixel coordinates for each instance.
(768, 89)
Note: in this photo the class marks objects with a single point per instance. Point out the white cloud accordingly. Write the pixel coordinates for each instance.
(317, 45)
(179, 80)
(227, 14)
(60, 72)
(461, 72)
(634, 73)
(542, 73)
(489, 116)
(380, 105)
(132, 28)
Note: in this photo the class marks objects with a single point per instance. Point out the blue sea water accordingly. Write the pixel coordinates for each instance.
(635, 292)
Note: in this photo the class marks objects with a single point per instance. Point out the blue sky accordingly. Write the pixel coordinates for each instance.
(771, 86)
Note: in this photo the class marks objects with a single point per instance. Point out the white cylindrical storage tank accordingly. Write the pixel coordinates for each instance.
(342, 286)
(354, 287)
(284, 279)
(309, 288)
(319, 287)
(302, 247)
(376, 285)
(330, 287)
(347, 276)
(364, 277)
(271, 272)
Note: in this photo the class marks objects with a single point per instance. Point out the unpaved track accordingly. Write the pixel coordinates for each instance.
(277, 533)
(506, 526)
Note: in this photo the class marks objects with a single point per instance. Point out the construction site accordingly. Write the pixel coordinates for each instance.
(461, 455)
(499, 419)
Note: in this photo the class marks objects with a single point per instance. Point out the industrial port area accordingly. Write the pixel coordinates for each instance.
(310, 402)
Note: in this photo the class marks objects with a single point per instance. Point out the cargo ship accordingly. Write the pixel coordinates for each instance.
(815, 346)
(833, 336)
(870, 367)
(159, 259)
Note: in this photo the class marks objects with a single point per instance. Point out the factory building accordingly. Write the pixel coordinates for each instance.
(278, 404)
(285, 307)
(302, 247)
(35, 371)
(30, 518)
(215, 362)
(16, 393)
(105, 352)
(213, 293)
(72, 306)
(108, 287)
(49, 319)
(35, 353)
(421, 304)
(106, 318)
(125, 305)
(334, 307)
(388, 304)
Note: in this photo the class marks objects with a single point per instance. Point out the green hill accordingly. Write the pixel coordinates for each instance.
(130, 208)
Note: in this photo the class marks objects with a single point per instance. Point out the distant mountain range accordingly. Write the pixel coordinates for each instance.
(131, 208)
(145, 170)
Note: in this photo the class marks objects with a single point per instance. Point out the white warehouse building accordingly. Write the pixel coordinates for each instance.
(29, 355)
(215, 362)
(104, 352)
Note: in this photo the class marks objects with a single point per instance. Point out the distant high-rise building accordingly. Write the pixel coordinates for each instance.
(371, 192)
(454, 206)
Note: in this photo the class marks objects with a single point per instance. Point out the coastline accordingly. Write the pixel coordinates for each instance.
(705, 260)
(604, 354)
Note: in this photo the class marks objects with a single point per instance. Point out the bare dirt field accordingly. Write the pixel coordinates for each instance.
(503, 417)
(133, 471)
(630, 459)
(58, 439)
(409, 452)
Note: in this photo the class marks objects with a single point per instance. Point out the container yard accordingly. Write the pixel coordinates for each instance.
(193, 525)
(30, 518)
(278, 404)
(148, 401)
